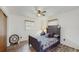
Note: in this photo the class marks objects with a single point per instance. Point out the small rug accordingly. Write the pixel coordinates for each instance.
(63, 48)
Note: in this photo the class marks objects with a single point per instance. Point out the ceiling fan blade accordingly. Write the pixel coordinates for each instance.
(44, 12)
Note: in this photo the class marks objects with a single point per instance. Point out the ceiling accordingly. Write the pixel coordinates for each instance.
(30, 10)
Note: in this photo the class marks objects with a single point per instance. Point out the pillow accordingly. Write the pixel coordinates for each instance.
(46, 35)
(43, 33)
(51, 35)
(56, 35)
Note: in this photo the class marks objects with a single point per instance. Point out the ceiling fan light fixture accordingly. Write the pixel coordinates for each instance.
(40, 11)
(39, 14)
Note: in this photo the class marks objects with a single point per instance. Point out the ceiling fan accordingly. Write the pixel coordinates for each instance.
(40, 12)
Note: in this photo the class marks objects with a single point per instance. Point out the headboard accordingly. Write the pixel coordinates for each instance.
(53, 29)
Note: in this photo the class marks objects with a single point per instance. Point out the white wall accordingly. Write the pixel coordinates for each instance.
(53, 23)
(15, 25)
(69, 22)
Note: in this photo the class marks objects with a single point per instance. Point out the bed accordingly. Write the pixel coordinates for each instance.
(41, 43)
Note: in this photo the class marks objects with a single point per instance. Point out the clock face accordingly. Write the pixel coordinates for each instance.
(14, 39)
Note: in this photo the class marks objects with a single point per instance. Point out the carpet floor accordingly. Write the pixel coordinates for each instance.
(63, 48)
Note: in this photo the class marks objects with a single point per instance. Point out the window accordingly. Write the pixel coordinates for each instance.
(29, 26)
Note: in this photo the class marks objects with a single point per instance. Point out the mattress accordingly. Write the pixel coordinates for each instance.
(45, 42)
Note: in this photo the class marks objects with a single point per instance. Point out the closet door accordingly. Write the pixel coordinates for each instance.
(3, 31)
